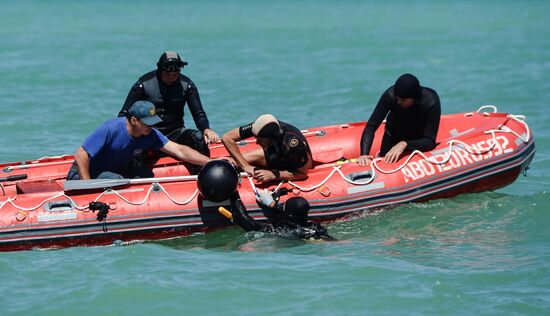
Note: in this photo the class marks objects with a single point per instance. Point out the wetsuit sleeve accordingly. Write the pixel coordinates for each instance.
(378, 115)
(136, 94)
(427, 141)
(241, 217)
(194, 102)
(245, 131)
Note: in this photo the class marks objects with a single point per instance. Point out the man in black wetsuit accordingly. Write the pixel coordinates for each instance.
(412, 122)
(284, 152)
(169, 91)
(287, 220)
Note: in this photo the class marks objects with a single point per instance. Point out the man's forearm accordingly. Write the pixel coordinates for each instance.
(287, 175)
(233, 150)
(83, 164)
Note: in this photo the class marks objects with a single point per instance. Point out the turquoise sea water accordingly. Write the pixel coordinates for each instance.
(66, 66)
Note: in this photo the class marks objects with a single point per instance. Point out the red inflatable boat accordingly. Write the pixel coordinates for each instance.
(476, 152)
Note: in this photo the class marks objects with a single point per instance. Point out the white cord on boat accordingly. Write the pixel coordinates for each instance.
(29, 209)
(490, 106)
(177, 202)
(84, 208)
(519, 119)
(334, 169)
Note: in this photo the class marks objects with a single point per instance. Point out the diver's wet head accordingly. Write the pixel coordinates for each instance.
(217, 180)
(297, 209)
(407, 86)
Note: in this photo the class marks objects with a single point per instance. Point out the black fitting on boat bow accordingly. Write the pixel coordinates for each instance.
(102, 208)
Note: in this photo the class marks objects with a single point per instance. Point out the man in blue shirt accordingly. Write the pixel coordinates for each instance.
(109, 151)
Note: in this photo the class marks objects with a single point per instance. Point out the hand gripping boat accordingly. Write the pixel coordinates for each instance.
(476, 152)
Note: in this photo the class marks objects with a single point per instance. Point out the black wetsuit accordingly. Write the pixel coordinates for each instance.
(170, 102)
(417, 125)
(282, 155)
(281, 224)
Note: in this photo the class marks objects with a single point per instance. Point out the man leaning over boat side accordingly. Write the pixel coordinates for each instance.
(413, 113)
(284, 152)
(170, 90)
(108, 153)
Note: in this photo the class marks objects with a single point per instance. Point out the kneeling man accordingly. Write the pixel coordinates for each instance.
(108, 153)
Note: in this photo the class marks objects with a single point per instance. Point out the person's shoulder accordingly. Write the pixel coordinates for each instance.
(157, 133)
(148, 76)
(429, 91)
(160, 136)
(388, 96)
(111, 126)
(287, 127)
(185, 78)
(430, 97)
(114, 122)
(186, 81)
(389, 92)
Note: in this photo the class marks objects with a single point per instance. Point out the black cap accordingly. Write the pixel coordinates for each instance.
(407, 86)
(170, 61)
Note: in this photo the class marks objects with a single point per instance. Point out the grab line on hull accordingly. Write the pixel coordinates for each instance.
(153, 186)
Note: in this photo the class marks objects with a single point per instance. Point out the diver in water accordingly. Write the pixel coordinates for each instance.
(287, 220)
(218, 181)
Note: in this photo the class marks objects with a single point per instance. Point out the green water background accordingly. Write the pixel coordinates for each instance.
(66, 66)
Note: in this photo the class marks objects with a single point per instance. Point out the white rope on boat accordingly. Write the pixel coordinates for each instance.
(490, 106)
(177, 202)
(30, 209)
(520, 119)
(85, 208)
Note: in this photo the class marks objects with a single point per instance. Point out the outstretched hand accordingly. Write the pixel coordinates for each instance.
(364, 160)
(264, 197)
(393, 154)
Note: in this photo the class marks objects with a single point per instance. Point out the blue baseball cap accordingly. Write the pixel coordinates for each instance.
(146, 112)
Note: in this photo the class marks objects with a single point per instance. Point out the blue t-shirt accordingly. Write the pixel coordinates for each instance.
(111, 148)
